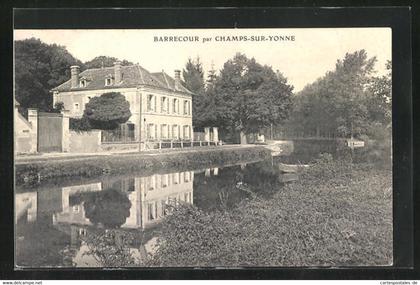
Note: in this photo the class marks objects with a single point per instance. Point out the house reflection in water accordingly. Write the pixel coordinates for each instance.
(149, 197)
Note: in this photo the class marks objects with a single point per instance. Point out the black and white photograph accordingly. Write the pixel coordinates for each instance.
(239, 147)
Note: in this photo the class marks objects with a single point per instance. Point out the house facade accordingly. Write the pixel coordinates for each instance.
(160, 105)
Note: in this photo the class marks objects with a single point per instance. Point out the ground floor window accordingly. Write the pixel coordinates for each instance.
(175, 131)
(151, 131)
(187, 130)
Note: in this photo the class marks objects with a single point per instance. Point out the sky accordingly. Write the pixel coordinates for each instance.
(312, 53)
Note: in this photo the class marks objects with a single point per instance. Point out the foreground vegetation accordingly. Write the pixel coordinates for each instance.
(337, 214)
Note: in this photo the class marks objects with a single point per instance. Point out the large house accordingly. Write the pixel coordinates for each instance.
(160, 105)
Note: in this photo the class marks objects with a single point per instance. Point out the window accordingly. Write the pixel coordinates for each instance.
(186, 134)
(164, 131)
(185, 107)
(164, 105)
(150, 212)
(151, 181)
(151, 103)
(82, 83)
(108, 81)
(175, 131)
(187, 176)
(164, 180)
(175, 106)
(175, 178)
(151, 134)
(76, 106)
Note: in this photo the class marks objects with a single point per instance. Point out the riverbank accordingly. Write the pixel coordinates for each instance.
(337, 214)
(37, 169)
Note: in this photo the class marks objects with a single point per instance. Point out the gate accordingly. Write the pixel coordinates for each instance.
(50, 132)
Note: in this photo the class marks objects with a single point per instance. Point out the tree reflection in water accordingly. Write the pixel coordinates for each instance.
(109, 208)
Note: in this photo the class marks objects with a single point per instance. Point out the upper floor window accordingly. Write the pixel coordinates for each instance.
(83, 83)
(164, 105)
(187, 110)
(151, 103)
(108, 81)
(175, 106)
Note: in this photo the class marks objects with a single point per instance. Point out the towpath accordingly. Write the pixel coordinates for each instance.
(43, 157)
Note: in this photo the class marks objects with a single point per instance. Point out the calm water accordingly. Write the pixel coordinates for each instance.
(69, 225)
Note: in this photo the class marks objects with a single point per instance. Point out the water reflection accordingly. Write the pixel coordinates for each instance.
(113, 222)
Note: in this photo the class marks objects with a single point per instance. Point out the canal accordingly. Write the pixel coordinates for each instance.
(65, 224)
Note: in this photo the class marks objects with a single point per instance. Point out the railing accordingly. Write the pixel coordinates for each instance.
(171, 144)
(111, 136)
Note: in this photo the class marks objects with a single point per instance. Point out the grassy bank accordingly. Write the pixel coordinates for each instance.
(34, 172)
(337, 214)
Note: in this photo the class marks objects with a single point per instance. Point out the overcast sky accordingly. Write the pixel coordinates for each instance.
(310, 56)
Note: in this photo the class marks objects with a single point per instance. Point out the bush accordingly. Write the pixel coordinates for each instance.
(79, 124)
(107, 111)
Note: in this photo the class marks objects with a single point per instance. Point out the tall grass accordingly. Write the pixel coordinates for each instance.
(337, 214)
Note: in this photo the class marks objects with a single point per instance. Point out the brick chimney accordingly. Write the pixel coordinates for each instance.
(74, 69)
(177, 78)
(117, 72)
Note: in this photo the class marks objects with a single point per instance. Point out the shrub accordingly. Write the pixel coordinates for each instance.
(79, 124)
(107, 111)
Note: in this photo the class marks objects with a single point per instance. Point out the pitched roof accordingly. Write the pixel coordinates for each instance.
(169, 82)
(132, 76)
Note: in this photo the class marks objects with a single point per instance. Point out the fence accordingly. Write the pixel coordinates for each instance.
(170, 144)
(118, 135)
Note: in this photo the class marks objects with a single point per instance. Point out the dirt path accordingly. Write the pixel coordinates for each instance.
(62, 157)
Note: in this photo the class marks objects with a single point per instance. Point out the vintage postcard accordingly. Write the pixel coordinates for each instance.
(203, 147)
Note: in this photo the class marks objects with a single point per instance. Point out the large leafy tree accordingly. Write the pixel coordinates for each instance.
(107, 111)
(250, 96)
(39, 67)
(339, 102)
(104, 61)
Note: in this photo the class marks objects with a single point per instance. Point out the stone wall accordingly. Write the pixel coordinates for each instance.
(85, 142)
(25, 132)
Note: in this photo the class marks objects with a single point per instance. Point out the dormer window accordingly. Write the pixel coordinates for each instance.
(83, 83)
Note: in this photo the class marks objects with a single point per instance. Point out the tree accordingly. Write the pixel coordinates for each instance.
(337, 103)
(250, 96)
(380, 101)
(104, 61)
(39, 67)
(194, 81)
(107, 111)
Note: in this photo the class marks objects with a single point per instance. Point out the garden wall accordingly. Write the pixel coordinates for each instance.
(84, 142)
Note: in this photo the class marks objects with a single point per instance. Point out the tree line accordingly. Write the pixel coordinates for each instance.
(243, 97)
(350, 101)
(39, 67)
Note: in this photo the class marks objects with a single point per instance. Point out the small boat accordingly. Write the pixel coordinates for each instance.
(287, 177)
(290, 168)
